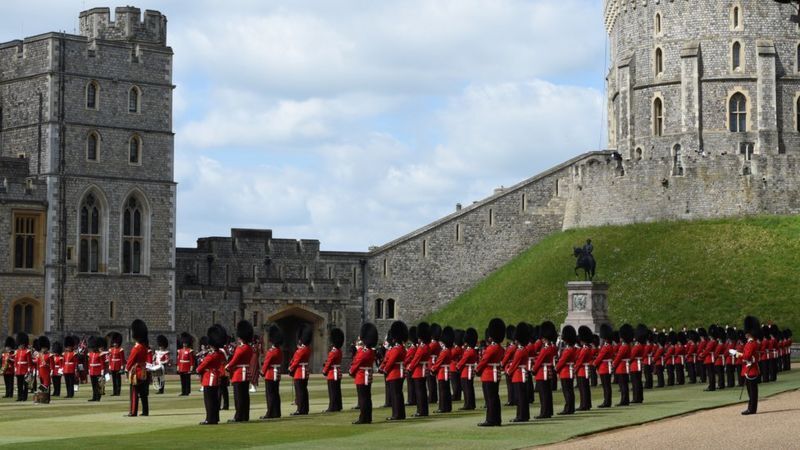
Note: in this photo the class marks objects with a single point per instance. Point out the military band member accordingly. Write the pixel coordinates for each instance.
(455, 357)
(271, 371)
(185, 361)
(136, 367)
(96, 367)
(730, 358)
(647, 361)
(394, 369)
(532, 347)
(595, 351)
(7, 365)
(44, 366)
(750, 367)
(603, 364)
(23, 365)
(419, 368)
(57, 371)
(224, 377)
(517, 371)
(210, 370)
(489, 368)
(565, 368)
(434, 347)
(638, 356)
(543, 369)
(583, 363)
(410, 351)
(700, 365)
(466, 368)
(622, 363)
(299, 369)
(332, 371)
(441, 370)
(237, 367)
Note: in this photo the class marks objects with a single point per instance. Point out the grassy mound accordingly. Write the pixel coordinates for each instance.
(661, 274)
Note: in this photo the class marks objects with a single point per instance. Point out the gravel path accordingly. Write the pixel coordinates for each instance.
(775, 426)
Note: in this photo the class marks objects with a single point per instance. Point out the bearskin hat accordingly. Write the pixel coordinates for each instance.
(731, 333)
(244, 331)
(787, 333)
(162, 341)
(752, 326)
(22, 339)
(496, 330)
(203, 341)
(139, 331)
(57, 347)
(585, 334)
(662, 339)
(399, 331)
(35, 344)
(115, 338)
(459, 341)
(369, 335)
(306, 334)
(596, 340)
(44, 342)
(274, 335)
(682, 337)
(642, 333)
(712, 331)
(93, 342)
(69, 341)
(510, 332)
(606, 332)
(673, 337)
(424, 332)
(471, 337)
(337, 338)
(436, 332)
(187, 339)
(775, 331)
(412, 334)
(701, 332)
(10, 343)
(217, 337)
(569, 335)
(549, 331)
(626, 333)
(692, 335)
(741, 336)
(615, 337)
(448, 336)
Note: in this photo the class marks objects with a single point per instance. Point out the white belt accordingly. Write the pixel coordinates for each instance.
(447, 373)
(546, 370)
(627, 365)
(683, 359)
(303, 370)
(276, 374)
(95, 364)
(495, 375)
(424, 368)
(470, 369)
(649, 360)
(180, 361)
(335, 372)
(610, 365)
(366, 374)
(244, 370)
(402, 369)
(530, 363)
(524, 371)
(571, 370)
(586, 368)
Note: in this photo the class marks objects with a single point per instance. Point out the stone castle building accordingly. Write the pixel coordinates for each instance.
(704, 120)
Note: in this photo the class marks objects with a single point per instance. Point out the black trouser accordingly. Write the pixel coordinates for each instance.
(660, 376)
(334, 395)
(273, 399)
(445, 398)
(773, 369)
(712, 379)
(585, 390)
(468, 387)
(624, 395)
(752, 394)
(420, 391)
(455, 386)
(523, 407)
(186, 383)
(9, 381)
(730, 372)
(364, 403)
(22, 388)
(593, 376)
(225, 402)
(433, 396)
(764, 366)
(412, 392)
(140, 392)
(700, 369)
(531, 393)
(690, 369)
(396, 399)
(605, 380)
(211, 400)
(636, 385)
(568, 389)
(648, 376)
(545, 388)
(680, 378)
(116, 383)
(512, 395)
(69, 380)
(56, 385)
(386, 400)
(95, 379)
(301, 394)
(491, 392)
(720, 371)
(241, 401)
(670, 374)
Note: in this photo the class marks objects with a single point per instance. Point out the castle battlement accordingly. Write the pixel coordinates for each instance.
(127, 25)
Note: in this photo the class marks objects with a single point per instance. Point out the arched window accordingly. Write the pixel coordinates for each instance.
(736, 56)
(132, 237)
(26, 317)
(90, 235)
(390, 308)
(639, 154)
(736, 18)
(133, 99)
(379, 308)
(658, 117)
(92, 95)
(737, 108)
(658, 23)
(92, 146)
(135, 150)
(677, 166)
(659, 67)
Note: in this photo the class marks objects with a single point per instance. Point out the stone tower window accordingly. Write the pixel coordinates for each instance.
(736, 57)
(385, 268)
(424, 248)
(93, 146)
(27, 240)
(677, 165)
(111, 311)
(736, 18)
(658, 117)
(491, 217)
(797, 114)
(132, 237)
(524, 203)
(92, 95)
(135, 150)
(134, 96)
(379, 308)
(659, 62)
(658, 24)
(91, 238)
(390, 308)
(737, 107)
(797, 58)
(459, 236)
(638, 154)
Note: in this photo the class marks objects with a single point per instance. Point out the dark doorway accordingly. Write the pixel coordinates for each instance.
(289, 327)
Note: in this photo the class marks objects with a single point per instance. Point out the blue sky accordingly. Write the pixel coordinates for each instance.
(354, 122)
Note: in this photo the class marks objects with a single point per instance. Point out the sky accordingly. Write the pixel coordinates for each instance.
(357, 121)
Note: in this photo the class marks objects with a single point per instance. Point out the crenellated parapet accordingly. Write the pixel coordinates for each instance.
(127, 25)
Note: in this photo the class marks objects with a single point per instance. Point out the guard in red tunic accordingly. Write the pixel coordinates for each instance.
(622, 363)
(434, 348)
(238, 367)
(788, 346)
(58, 367)
(23, 365)
(669, 357)
(490, 370)
(638, 356)
(517, 372)
(465, 367)
(44, 365)
(137, 370)
(7, 365)
(441, 369)
(750, 367)
(185, 361)
(96, 367)
(210, 370)
(720, 352)
(116, 362)
(419, 368)
(271, 371)
(583, 364)
(70, 365)
(565, 368)
(394, 369)
(691, 355)
(603, 363)
(299, 369)
(543, 369)
(680, 359)
(508, 356)
(362, 369)
(708, 357)
(455, 357)
(699, 364)
(658, 358)
(410, 351)
(332, 370)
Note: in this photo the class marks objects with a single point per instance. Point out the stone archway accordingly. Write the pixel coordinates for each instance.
(289, 320)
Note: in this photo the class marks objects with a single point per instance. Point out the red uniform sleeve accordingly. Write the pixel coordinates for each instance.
(357, 362)
(515, 362)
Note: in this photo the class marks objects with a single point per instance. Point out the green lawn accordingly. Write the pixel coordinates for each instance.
(67, 424)
(661, 274)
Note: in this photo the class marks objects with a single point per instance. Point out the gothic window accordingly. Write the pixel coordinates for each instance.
(737, 107)
(92, 146)
(379, 308)
(659, 66)
(736, 18)
(26, 231)
(92, 95)
(524, 202)
(658, 23)
(736, 56)
(132, 237)
(424, 248)
(111, 310)
(491, 217)
(135, 150)
(25, 317)
(90, 248)
(390, 308)
(133, 99)
(458, 232)
(638, 154)
(385, 268)
(677, 166)
(658, 117)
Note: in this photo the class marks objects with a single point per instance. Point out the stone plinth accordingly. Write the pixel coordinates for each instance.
(587, 304)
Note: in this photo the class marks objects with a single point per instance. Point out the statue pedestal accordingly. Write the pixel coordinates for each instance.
(587, 304)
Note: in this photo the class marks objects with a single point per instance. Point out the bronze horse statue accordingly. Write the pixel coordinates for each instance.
(585, 261)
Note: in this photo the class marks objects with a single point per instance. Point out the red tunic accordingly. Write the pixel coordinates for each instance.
(70, 363)
(298, 367)
(604, 360)
(393, 363)
(719, 352)
(137, 362)
(240, 363)
(489, 367)
(622, 360)
(543, 366)
(361, 368)
(58, 366)
(409, 356)
(8, 363)
(44, 363)
(583, 361)
(185, 359)
(750, 360)
(273, 360)
(517, 368)
(637, 357)
(96, 364)
(419, 363)
(116, 359)
(566, 363)
(455, 357)
(211, 368)
(508, 356)
(691, 352)
(434, 348)
(22, 362)
(332, 368)
(466, 365)
(441, 368)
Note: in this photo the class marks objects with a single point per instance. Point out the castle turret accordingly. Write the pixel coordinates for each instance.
(128, 25)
